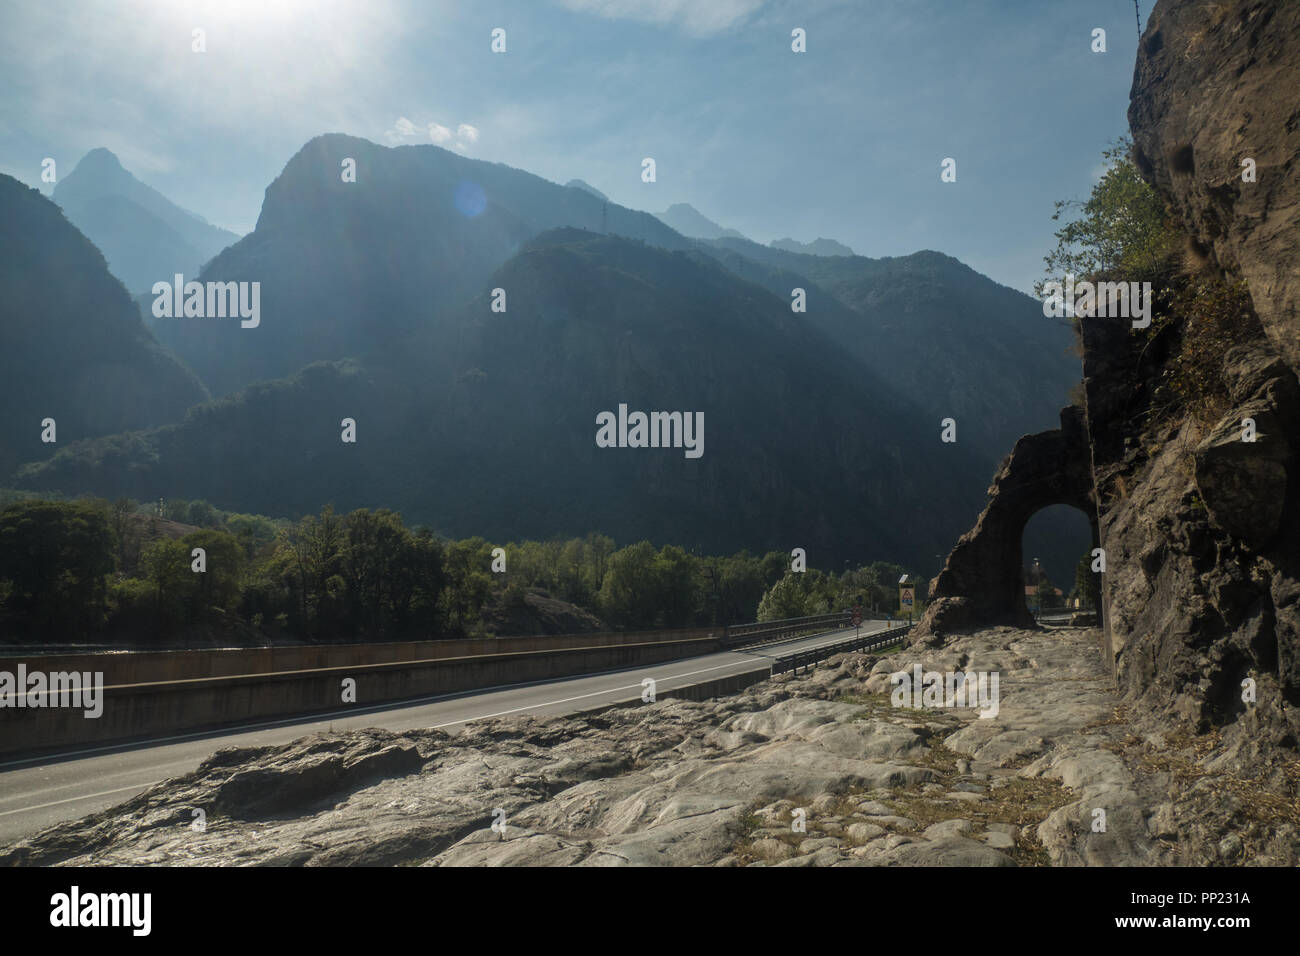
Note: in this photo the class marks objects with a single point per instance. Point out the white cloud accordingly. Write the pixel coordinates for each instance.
(696, 17)
(402, 129)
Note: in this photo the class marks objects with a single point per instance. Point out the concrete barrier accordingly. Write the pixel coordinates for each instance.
(139, 710)
(719, 686)
(140, 667)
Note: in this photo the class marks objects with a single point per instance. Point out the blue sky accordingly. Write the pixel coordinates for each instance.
(843, 141)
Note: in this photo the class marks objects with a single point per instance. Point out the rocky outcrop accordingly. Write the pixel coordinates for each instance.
(819, 769)
(1199, 517)
(1214, 87)
(1201, 520)
(536, 612)
(981, 583)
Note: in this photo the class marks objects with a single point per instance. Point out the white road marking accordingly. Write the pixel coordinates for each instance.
(88, 796)
(372, 709)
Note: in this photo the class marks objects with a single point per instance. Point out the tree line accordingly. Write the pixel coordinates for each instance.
(178, 572)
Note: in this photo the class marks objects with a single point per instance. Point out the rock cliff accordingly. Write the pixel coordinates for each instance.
(1200, 524)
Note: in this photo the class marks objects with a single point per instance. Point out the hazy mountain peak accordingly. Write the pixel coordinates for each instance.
(144, 235)
(689, 221)
(579, 184)
(818, 247)
(99, 160)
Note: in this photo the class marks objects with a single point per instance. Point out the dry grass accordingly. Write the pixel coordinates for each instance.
(1183, 761)
(1118, 715)
(1024, 802)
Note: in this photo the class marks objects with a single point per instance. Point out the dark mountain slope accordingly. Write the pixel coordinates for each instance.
(818, 247)
(73, 344)
(948, 338)
(485, 422)
(347, 267)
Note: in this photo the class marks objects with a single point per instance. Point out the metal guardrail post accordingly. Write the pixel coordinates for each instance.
(807, 659)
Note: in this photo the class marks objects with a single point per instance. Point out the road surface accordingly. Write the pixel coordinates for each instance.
(38, 792)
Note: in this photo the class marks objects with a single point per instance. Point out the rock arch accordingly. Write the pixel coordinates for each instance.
(981, 583)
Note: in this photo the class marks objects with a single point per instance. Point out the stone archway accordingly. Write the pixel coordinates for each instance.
(980, 584)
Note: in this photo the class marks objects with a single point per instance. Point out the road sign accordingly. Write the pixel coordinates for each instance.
(857, 616)
(906, 597)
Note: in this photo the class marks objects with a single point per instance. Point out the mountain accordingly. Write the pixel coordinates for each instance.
(579, 184)
(818, 247)
(145, 237)
(74, 347)
(687, 220)
(382, 286)
(485, 422)
(348, 267)
(950, 341)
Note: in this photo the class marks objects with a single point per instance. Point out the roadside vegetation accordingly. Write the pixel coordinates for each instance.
(125, 572)
(1123, 232)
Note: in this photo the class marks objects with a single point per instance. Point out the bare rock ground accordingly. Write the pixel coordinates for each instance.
(811, 770)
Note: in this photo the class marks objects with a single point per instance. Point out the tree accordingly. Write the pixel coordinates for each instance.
(798, 594)
(1122, 230)
(126, 534)
(214, 591)
(165, 564)
(676, 582)
(386, 568)
(182, 596)
(55, 558)
(468, 584)
(316, 544)
(627, 593)
(201, 514)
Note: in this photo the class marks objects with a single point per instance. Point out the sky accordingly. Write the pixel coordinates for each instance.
(844, 141)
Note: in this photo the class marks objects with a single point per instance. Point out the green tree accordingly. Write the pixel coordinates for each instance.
(182, 596)
(468, 584)
(55, 558)
(676, 581)
(627, 593)
(201, 514)
(214, 591)
(798, 594)
(127, 539)
(389, 572)
(317, 545)
(1121, 231)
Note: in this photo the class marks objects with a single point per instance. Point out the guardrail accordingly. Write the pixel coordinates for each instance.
(135, 710)
(148, 666)
(866, 642)
(765, 631)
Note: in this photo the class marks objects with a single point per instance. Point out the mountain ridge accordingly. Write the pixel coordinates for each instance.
(144, 236)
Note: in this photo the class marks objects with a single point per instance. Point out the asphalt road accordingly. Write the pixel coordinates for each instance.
(41, 791)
